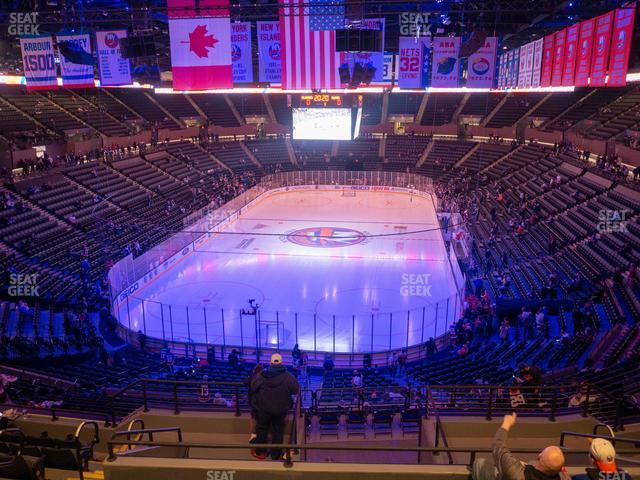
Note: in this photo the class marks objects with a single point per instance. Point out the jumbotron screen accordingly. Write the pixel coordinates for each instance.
(322, 124)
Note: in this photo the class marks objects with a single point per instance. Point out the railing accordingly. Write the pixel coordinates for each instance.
(434, 400)
(288, 462)
(243, 327)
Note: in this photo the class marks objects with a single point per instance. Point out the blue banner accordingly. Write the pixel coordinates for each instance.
(76, 60)
(242, 67)
(270, 66)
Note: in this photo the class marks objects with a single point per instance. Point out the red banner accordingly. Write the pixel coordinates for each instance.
(585, 48)
(602, 42)
(558, 58)
(547, 61)
(620, 46)
(571, 49)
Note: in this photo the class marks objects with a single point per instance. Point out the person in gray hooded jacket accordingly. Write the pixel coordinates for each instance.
(505, 466)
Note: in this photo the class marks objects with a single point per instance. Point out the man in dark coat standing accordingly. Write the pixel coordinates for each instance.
(271, 393)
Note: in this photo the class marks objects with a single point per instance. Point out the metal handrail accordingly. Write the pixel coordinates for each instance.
(356, 448)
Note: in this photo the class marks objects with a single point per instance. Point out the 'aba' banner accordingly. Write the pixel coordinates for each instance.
(621, 46)
(76, 60)
(570, 56)
(547, 60)
(558, 58)
(242, 67)
(38, 62)
(414, 53)
(375, 59)
(445, 71)
(113, 69)
(585, 48)
(270, 66)
(482, 65)
(602, 42)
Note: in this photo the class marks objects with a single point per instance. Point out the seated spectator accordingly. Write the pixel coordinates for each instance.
(328, 363)
(603, 461)
(505, 466)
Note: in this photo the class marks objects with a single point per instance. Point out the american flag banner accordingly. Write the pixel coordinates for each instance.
(308, 43)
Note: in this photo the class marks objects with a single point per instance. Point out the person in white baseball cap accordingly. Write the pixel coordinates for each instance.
(603, 460)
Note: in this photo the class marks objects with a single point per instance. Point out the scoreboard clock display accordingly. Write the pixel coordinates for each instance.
(328, 100)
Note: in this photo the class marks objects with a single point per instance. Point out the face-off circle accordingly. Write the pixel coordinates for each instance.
(326, 237)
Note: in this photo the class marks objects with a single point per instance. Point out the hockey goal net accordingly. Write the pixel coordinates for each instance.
(348, 193)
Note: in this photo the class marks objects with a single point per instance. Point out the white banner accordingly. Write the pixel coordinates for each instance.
(445, 70)
(482, 65)
(537, 62)
(38, 63)
(114, 70)
(241, 66)
(76, 60)
(270, 67)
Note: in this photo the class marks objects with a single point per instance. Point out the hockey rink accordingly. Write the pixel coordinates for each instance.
(328, 271)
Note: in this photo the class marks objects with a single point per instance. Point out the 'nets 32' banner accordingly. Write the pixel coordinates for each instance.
(445, 71)
(38, 62)
(482, 65)
(621, 46)
(270, 66)
(241, 52)
(76, 60)
(114, 70)
(413, 62)
(200, 45)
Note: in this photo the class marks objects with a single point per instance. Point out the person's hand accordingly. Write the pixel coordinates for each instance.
(509, 421)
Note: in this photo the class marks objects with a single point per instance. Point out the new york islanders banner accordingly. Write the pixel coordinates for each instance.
(200, 46)
(38, 63)
(558, 58)
(570, 55)
(585, 49)
(269, 63)
(76, 60)
(445, 71)
(547, 61)
(482, 65)
(113, 69)
(412, 61)
(621, 46)
(242, 67)
(602, 43)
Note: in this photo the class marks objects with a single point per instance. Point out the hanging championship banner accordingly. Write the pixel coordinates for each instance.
(547, 61)
(570, 56)
(113, 69)
(482, 65)
(558, 58)
(241, 65)
(269, 64)
(602, 42)
(585, 49)
(538, 48)
(621, 46)
(76, 60)
(38, 63)
(445, 71)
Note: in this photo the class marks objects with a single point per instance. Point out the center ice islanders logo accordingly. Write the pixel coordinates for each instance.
(326, 237)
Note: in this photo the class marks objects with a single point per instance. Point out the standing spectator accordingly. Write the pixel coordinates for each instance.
(402, 361)
(603, 461)
(504, 331)
(430, 347)
(271, 397)
(550, 464)
(257, 370)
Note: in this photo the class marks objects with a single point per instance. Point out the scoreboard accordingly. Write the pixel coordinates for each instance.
(327, 100)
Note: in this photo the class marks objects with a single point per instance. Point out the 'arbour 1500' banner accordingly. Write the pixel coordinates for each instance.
(38, 62)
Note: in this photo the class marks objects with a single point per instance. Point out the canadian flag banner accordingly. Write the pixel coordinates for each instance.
(200, 52)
